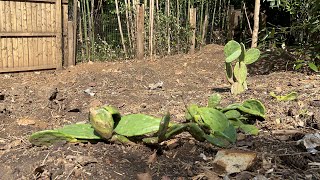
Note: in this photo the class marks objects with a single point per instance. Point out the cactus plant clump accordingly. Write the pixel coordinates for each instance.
(237, 59)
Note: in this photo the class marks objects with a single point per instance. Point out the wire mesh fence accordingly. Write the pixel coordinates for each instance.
(107, 29)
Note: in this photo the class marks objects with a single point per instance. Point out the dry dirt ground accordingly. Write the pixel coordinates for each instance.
(34, 101)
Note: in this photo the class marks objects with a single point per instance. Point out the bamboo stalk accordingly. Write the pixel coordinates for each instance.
(133, 27)
(127, 22)
(168, 26)
(120, 29)
(178, 23)
(205, 24)
(213, 17)
(151, 16)
(245, 12)
(87, 9)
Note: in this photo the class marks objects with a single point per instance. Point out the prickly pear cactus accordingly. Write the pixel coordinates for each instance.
(237, 75)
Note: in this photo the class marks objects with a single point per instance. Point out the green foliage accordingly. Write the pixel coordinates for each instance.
(48, 137)
(79, 131)
(212, 123)
(102, 121)
(289, 97)
(214, 100)
(137, 125)
(235, 52)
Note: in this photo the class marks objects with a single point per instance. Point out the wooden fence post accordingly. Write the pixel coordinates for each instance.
(193, 21)
(140, 31)
(70, 61)
(58, 34)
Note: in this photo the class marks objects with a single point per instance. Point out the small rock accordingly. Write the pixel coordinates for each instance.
(95, 103)
(233, 161)
(315, 103)
(89, 92)
(157, 85)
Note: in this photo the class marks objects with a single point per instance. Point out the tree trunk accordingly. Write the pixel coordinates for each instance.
(256, 24)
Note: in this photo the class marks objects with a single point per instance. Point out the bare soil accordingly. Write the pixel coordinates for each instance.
(34, 101)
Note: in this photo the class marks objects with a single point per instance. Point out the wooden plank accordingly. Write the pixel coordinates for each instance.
(9, 53)
(44, 29)
(59, 34)
(1, 50)
(4, 53)
(2, 28)
(30, 68)
(53, 42)
(49, 29)
(39, 39)
(29, 29)
(39, 1)
(13, 42)
(7, 27)
(25, 29)
(2, 16)
(20, 56)
(65, 33)
(27, 34)
(33, 45)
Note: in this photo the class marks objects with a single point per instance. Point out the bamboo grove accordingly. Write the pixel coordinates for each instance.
(107, 28)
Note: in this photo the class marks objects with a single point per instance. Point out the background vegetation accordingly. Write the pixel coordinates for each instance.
(107, 28)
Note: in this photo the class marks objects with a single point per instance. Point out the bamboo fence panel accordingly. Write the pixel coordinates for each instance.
(32, 34)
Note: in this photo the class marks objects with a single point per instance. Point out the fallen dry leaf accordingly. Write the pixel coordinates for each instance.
(152, 158)
(144, 176)
(26, 122)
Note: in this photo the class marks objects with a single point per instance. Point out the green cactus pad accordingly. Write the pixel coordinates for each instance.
(232, 51)
(251, 56)
(191, 111)
(240, 72)
(243, 52)
(233, 114)
(237, 88)
(288, 97)
(164, 124)
(102, 121)
(214, 100)
(229, 133)
(137, 125)
(213, 118)
(49, 137)
(80, 131)
(253, 107)
(229, 73)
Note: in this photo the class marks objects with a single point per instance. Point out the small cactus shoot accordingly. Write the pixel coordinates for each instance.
(237, 75)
